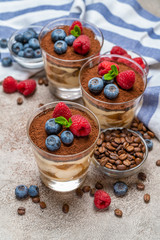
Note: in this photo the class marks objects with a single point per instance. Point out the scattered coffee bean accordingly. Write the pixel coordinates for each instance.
(36, 199)
(142, 176)
(79, 192)
(45, 82)
(65, 208)
(118, 212)
(92, 192)
(86, 189)
(140, 186)
(98, 185)
(21, 211)
(40, 105)
(146, 198)
(158, 163)
(19, 101)
(42, 205)
(40, 81)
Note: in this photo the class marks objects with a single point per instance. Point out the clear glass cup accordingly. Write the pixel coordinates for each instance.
(62, 173)
(112, 114)
(63, 74)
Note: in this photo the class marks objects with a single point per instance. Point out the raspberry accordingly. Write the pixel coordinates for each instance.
(121, 60)
(27, 87)
(62, 110)
(126, 79)
(79, 24)
(9, 85)
(105, 66)
(139, 61)
(80, 126)
(118, 50)
(101, 199)
(82, 44)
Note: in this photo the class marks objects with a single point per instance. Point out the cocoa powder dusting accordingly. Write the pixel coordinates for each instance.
(38, 134)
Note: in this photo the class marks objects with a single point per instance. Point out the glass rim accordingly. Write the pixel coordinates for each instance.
(52, 154)
(74, 19)
(105, 102)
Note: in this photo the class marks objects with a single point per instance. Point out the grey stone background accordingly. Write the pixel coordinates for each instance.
(83, 222)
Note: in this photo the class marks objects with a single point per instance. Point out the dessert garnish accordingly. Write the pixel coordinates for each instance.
(111, 91)
(82, 44)
(61, 109)
(126, 79)
(105, 66)
(95, 85)
(102, 199)
(80, 126)
(120, 189)
(76, 27)
(60, 47)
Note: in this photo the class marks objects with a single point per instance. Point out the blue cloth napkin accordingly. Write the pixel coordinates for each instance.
(123, 22)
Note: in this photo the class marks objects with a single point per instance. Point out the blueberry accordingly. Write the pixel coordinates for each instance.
(120, 189)
(37, 35)
(37, 53)
(19, 37)
(21, 53)
(70, 39)
(6, 62)
(21, 191)
(60, 47)
(95, 85)
(16, 47)
(111, 91)
(26, 45)
(27, 36)
(52, 127)
(107, 81)
(3, 43)
(32, 31)
(28, 53)
(58, 34)
(67, 137)
(34, 43)
(53, 142)
(33, 191)
(149, 144)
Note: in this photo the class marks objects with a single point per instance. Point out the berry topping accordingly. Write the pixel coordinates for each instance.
(52, 127)
(58, 34)
(95, 85)
(34, 43)
(67, 137)
(101, 199)
(126, 79)
(149, 144)
(3, 43)
(9, 85)
(80, 126)
(139, 61)
(111, 91)
(69, 40)
(60, 47)
(6, 62)
(53, 143)
(118, 50)
(27, 87)
(33, 191)
(82, 44)
(61, 109)
(105, 66)
(120, 189)
(78, 24)
(21, 191)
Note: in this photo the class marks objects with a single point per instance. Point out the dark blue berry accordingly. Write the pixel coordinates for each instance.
(37, 35)
(21, 53)
(33, 191)
(60, 47)
(19, 37)
(52, 127)
(120, 189)
(26, 45)
(21, 191)
(6, 62)
(34, 43)
(67, 137)
(32, 31)
(107, 81)
(16, 47)
(111, 91)
(149, 144)
(53, 142)
(70, 39)
(3, 43)
(95, 85)
(28, 53)
(37, 53)
(58, 34)
(27, 36)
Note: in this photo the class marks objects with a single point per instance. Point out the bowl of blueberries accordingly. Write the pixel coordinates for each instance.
(25, 48)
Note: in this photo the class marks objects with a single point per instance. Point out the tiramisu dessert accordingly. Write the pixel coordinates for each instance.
(66, 45)
(112, 86)
(63, 136)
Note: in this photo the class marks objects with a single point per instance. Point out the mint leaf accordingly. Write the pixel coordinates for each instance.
(63, 121)
(111, 74)
(77, 30)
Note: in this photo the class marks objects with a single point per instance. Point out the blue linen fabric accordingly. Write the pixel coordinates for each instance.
(122, 22)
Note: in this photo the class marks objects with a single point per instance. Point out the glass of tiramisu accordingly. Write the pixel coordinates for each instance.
(66, 45)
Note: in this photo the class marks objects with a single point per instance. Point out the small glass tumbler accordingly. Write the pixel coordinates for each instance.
(63, 173)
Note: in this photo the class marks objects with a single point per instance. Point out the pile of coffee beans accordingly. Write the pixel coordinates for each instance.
(119, 149)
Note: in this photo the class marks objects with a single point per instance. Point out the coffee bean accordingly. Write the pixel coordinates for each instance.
(109, 146)
(19, 101)
(98, 185)
(79, 192)
(21, 211)
(86, 189)
(102, 149)
(122, 140)
(151, 134)
(130, 148)
(146, 136)
(117, 140)
(102, 136)
(137, 140)
(125, 144)
(140, 126)
(139, 155)
(118, 212)
(129, 139)
(99, 142)
(123, 156)
(138, 161)
(108, 166)
(142, 176)
(42, 205)
(121, 167)
(45, 82)
(137, 149)
(40, 81)
(140, 186)
(65, 208)
(114, 144)
(118, 162)
(146, 198)
(92, 192)
(103, 161)
(36, 199)
(107, 138)
(127, 163)
(134, 124)
(134, 144)
(158, 163)
(40, 105)
(121, 152)
(114, 156)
